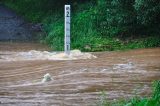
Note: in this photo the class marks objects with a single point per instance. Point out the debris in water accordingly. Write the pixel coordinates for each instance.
(46, 78)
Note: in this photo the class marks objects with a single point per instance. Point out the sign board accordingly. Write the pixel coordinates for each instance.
(67, 29)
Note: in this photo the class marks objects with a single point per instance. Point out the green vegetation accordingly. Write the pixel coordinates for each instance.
(97, 25)
(154, 100)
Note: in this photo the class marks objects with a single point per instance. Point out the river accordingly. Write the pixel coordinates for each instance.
(76, 81)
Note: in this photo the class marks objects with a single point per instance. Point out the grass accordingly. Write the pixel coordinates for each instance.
(85, 34)
(153, 100)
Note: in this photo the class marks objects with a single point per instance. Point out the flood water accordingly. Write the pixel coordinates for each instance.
(77, 80)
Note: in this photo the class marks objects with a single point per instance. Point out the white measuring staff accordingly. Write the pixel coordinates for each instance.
(67, 29)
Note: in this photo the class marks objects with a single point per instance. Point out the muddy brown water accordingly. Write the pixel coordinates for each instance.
(121, 74)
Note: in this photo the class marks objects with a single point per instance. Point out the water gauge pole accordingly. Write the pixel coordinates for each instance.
(67, 30)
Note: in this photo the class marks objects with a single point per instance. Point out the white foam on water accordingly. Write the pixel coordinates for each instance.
(128, 65)
(26, 84)
(45, 55)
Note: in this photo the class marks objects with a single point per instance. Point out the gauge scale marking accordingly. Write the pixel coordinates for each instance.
(67, 29)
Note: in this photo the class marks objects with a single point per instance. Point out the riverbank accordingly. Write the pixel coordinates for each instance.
(14, 28)
(89, 30)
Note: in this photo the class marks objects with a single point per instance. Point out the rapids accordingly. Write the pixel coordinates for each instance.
(78, 80)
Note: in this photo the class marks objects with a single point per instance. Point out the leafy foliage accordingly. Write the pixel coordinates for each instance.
(96, 24)
(136, 101)
(148, 15)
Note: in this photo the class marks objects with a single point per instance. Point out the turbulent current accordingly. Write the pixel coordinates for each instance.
(77, 79)
(45, 55)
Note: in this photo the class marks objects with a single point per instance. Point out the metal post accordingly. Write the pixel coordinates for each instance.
(67, 30)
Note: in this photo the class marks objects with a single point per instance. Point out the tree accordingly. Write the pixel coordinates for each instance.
(148, 13)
